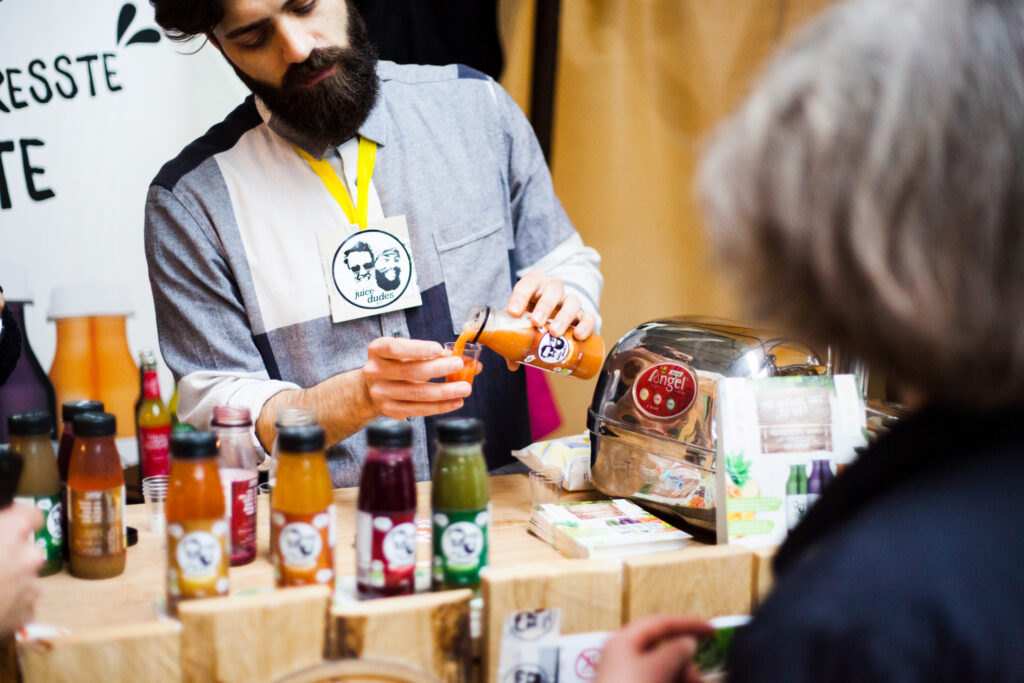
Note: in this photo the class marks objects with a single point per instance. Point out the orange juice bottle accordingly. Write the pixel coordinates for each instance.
(197, 532)
(517, 339)
(302, 512)
(96, 523)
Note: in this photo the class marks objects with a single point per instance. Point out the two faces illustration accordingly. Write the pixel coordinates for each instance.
(386, 266)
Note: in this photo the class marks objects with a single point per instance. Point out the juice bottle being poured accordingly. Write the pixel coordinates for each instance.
(519, 340)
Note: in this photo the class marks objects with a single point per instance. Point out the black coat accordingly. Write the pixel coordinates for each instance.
(909, 568)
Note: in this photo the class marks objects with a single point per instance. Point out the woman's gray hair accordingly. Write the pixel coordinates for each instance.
(870, 192)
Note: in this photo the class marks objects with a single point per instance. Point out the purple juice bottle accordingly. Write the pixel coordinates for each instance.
(386, 513)
(28, 389)
(821, 477)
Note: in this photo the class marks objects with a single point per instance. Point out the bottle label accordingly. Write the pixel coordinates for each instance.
(96, 522)
(48, 538)
(555, 354)
(460, 546)
(796, 508)
(304, 547)
(197, 559)
(156, 443)
(386, 549)
(240, 499)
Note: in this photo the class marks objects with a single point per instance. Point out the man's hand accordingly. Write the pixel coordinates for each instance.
(550, 298)
(394, 382)
(19, 583)
(397, 374)
(655, 649)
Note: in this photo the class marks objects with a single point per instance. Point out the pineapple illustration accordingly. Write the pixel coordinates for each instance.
(740, 484)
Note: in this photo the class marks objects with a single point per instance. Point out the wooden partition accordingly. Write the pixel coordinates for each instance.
(429, 632)
(249, 638)
(705, 582)
(113, 654)
(588, 592)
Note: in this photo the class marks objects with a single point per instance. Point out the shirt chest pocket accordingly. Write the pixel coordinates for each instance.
(475, 266)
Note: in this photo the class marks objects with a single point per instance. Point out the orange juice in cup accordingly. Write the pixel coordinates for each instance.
(470, 353)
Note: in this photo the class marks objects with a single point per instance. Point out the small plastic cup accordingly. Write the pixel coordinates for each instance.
(545, 487)
(264, 488)
(470, 360)
(154, 491)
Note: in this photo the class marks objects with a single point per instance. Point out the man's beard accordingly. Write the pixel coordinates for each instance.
(330, 112)
(386, 283)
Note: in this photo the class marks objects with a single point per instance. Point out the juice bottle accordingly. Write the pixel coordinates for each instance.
(68, 411)
(39, 484)
(27, 388)
(237, 459)
(460, 504)
(154, 421)
(197, 533)
(286, 417)
(302, 510)
(821, 477)
(517, 339)
(796, 495)
(96, 524)
(386, 513)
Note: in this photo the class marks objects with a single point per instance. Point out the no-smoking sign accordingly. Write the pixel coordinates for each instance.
(586, 663)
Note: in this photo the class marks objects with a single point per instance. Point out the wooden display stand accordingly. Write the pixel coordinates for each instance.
(116, 630)
(587, 592)
(429, 632)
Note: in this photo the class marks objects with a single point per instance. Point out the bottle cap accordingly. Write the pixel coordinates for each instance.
(387, 432)
(289, 417)
(89, 299)
(460, 430)
(70, 409)
(301, 439)
(193, 445)
(231, 416)
(94, 424)
(29, 424)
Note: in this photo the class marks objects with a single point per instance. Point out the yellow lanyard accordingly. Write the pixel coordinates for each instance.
(367, 156)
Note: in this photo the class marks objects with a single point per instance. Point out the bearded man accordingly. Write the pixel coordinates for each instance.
(240, 225)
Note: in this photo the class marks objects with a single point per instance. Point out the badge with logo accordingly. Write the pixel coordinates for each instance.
(370, 271)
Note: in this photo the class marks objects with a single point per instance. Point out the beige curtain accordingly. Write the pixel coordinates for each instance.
(640, 84)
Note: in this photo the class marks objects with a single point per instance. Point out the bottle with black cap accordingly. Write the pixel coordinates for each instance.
(96, 523)
(67, 439)
(303, 525)
(386, 512)
(39, 484)
(197, 529)
(460, 504)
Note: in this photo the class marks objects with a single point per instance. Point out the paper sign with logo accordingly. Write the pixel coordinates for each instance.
(370, 271)
(781, 442)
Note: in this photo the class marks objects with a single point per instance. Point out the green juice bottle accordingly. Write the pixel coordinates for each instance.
(460, 504)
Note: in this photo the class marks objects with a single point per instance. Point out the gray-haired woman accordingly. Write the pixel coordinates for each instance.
(870, 193)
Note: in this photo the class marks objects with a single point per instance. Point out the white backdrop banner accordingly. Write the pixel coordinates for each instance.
(94, 99)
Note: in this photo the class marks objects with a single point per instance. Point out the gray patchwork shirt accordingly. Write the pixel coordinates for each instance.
(241, 300)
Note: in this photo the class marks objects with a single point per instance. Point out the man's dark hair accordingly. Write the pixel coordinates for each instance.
(359, 246)
(183, 20)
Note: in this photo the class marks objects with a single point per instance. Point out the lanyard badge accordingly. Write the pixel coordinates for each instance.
(368, 266)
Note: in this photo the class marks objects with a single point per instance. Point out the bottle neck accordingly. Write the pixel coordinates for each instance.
(150, 384)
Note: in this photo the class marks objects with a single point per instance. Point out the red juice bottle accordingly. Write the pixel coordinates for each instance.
(238, 463)
(386, 513)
